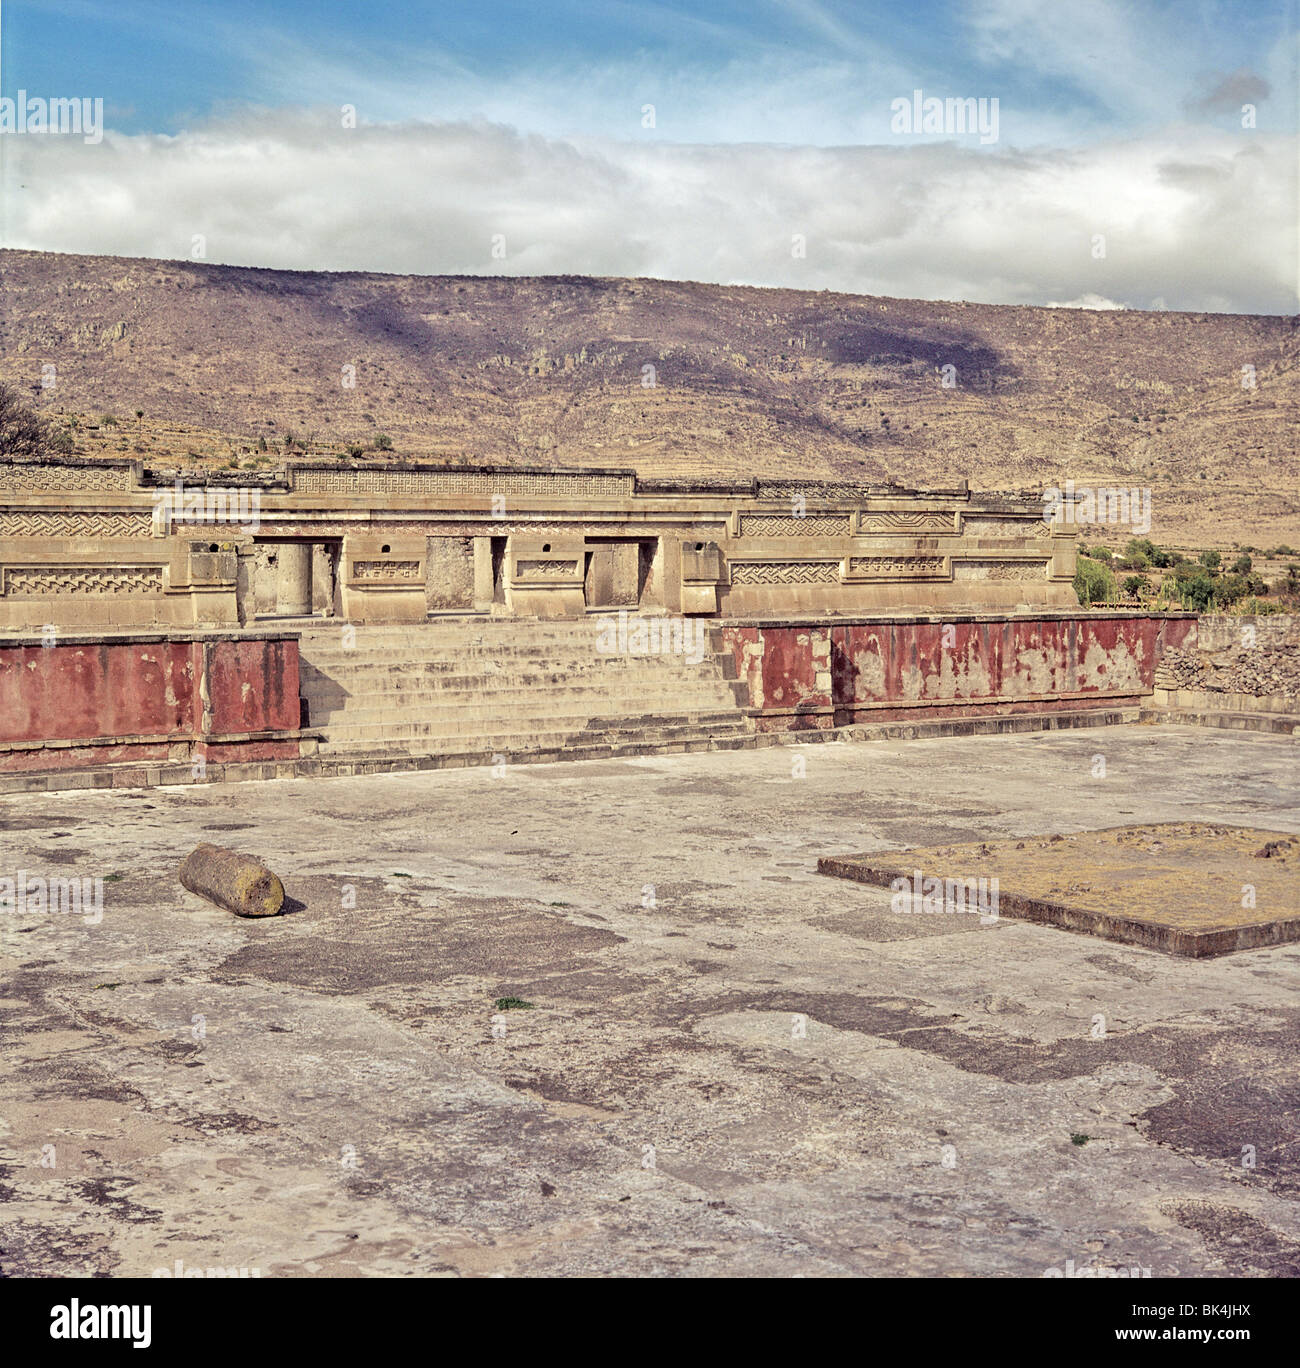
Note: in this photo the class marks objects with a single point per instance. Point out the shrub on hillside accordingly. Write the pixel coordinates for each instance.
(1196, 590)
(1139, 553)
(23, 432)
(1093, 583)
(1257, 607)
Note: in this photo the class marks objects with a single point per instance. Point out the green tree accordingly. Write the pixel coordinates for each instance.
(1211, 560)
(23, 432)
(1197, 590)
(1093, 583)
(1140, 551)
(1230, 589)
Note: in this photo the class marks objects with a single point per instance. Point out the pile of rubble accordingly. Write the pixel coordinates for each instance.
(1259, 672)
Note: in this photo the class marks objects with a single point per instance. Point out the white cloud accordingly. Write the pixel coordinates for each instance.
(1203, 220)
(1088, 301)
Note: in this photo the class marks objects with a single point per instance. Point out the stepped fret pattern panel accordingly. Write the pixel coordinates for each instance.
(1000, 570)
(917, 521)
(1006, 527)
(38, 581)
(386, 570)
(785, 572)
(436, 482)
(65, 477)
(547, 567)
(814, 525)
(816, 489)
(899, 567)
(38, 524)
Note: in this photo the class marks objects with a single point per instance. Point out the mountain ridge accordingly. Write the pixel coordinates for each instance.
(669, 378)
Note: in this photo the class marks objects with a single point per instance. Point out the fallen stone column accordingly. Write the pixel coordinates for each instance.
(239, 883)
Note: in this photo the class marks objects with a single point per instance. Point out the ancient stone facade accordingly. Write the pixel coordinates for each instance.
(106, 544)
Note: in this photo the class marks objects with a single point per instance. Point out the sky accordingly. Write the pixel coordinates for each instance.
(1137, 155)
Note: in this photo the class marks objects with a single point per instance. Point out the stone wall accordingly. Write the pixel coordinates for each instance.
(450, 574)
(819, 675)
(82, 551)
(1236, 664)
(80, 701)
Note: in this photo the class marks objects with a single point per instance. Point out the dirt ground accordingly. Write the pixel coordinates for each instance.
(732, 1065)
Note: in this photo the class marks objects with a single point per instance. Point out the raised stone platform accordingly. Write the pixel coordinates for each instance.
(80, 702)
(805, 674)
(471, 755)
(1189, 888)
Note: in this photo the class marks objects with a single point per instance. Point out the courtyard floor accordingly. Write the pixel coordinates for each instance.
(732, 1065)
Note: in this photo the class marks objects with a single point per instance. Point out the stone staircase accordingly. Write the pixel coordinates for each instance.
(520, 688)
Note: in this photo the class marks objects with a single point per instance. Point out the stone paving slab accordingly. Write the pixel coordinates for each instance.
(1189, 888)
(732, 1065)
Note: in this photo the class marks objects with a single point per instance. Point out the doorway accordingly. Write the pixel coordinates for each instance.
(292, 577)
(620, 572)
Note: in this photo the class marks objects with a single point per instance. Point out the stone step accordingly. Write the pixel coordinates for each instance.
(445, 673)
(496, 660)
(523, 634)
(522, 742)
(528, 707)
(425, 691)
(338, 657)
(559, 724)
(494, 622)
(507, 691)
(528, 753)
(432, 687)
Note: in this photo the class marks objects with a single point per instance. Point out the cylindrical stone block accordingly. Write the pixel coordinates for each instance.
(239, 883)
(293, 591)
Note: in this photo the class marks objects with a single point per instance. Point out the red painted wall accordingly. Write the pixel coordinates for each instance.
(71, 692)
(253, 685)
(820, 675)
(87, 689)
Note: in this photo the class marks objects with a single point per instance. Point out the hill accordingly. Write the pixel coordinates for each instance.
(227, 362)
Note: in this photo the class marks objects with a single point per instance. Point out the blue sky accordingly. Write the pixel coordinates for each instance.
(781, 70)
(772, 118)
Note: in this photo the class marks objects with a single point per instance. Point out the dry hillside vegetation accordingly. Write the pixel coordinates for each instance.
(225, 363)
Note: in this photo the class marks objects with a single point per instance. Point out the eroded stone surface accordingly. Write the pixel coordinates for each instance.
(828, 1087)
(1191, 888)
